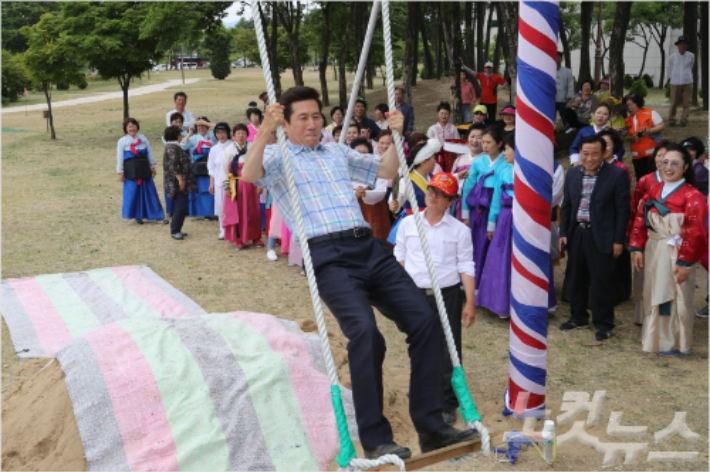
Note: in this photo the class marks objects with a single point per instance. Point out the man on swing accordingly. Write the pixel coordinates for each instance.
(354, 270)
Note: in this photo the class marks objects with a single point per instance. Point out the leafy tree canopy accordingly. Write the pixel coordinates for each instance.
(15, 15)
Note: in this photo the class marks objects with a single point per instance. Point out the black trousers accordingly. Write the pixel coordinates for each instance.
(453, 301)
(573, 119)
(179, 212)
(355, 274)
(643, 166)
(491, 108)
(589, 267)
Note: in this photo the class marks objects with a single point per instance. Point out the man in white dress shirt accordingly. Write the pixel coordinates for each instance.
(188, 121)
(452, 252)
(680, 69)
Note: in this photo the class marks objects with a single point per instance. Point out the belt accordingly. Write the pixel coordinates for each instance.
(584, 224)
(348, 233)
(430, 291)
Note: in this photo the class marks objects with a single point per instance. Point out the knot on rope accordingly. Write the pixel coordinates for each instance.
(485, 436)
(360, 464)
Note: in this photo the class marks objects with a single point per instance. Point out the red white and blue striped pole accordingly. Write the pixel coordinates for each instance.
(534, 155)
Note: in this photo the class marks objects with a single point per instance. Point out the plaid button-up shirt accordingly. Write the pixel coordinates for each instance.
(324, 177)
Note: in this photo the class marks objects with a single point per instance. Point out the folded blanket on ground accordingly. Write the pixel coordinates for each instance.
(234, 391)
(46, 312)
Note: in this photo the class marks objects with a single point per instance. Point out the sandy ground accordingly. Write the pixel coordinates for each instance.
(61, 213)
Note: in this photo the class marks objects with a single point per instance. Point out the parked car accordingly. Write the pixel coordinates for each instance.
(206, 65)
(190, 65)
(160, 67)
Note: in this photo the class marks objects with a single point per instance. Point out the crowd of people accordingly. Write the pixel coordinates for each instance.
(619, 239)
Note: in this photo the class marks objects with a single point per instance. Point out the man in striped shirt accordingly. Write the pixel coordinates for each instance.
(354, 270)
(595, 213)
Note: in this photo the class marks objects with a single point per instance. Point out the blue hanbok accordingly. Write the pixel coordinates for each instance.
(202, 202)
(134, 159)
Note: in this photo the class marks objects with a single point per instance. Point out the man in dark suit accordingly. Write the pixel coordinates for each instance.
(595, 212)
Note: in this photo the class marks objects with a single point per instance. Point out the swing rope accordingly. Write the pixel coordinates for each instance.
(467, 407)
(347, 455)
(354, 91)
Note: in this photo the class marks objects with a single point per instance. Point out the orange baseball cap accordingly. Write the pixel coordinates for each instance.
(445, 182)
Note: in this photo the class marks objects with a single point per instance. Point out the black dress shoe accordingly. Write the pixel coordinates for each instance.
(139, 221)
(165, 222)
(388, 448)
(179, 236)
(449, 416)
(445, 437)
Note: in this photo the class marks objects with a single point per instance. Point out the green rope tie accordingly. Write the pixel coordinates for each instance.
(347, 450)
(468, 408)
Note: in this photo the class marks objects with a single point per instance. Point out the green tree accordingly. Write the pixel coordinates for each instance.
(50, 58)
(219, 47)
(15, 15)
(14, 76)
(123, 39)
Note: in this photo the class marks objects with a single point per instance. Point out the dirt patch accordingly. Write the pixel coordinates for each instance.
(39, 429)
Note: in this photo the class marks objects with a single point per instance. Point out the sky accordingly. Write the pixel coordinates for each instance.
(232, 17)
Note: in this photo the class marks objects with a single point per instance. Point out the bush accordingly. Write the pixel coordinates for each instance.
(61, 86)
(639, 88)
(647, 80)
(83, 83)
(628, 81)
(219, 45)
(397, 73)
(15, 77)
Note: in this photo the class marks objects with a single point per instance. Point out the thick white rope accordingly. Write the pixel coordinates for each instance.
(389, 65)
(295, 204)
(360, 69)
(355, 463)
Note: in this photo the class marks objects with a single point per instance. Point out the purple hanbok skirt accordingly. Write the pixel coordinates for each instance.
(494, 290)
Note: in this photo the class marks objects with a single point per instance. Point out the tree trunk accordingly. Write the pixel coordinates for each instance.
(437, 30)
(565, 48)
(448, 25)
(415, 50)
(342, 82)
(482, 46)
(500, 40)
(273, 54)
(586, 14)
(510, 17)
(290, 16)
(409, 53)
(660, 41)
(48, 96)
(616, 47)
(704, 51)
(428, 71)
(469, 38)
(325, 47)
(690, 29)
(483, 54)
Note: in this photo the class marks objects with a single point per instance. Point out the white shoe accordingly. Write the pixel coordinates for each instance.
(221, 236)
(570, 130)
(271, 255)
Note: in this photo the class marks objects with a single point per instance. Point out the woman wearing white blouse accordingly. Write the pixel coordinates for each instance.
(443, 130)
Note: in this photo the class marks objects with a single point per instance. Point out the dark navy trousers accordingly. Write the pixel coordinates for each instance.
(355, 274)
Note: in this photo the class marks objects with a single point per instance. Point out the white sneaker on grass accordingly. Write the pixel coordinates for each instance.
(271, 255)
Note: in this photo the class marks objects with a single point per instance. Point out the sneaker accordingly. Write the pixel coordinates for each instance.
(570, 130)
(686, 353)
(165, 222)
(684, 123)
(271, 255)
(239, 246)
(179, 236)
(388, 448)
(571, 326)
(139, 221)
(449, 415)
(703, 313)
(672, 353)
(602, 335)
(259, 243)
(445, 437)
(672, 123)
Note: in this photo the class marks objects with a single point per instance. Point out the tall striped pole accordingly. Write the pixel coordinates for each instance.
(534, 135)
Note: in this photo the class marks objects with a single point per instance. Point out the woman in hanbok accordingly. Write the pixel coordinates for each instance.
(214, 168)
(478, 192)
(443, 130)
(242, 210)
(254, 116)
(668, 238)
(372, 200)
(495, 275)
(198, 145)
(135, 165)
(464, 162)
(644, 184)
(420, 164)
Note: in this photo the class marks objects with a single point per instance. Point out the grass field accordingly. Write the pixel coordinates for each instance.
(61, 205)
